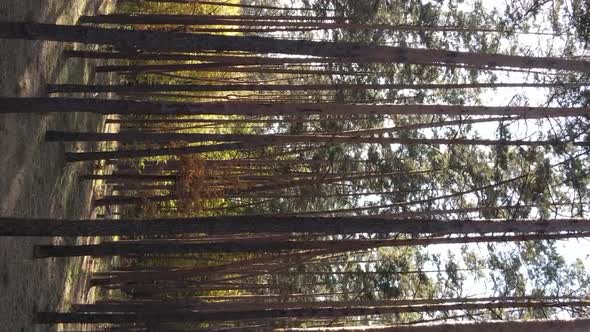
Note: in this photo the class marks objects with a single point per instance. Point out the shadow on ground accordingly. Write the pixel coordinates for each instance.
(35, 179)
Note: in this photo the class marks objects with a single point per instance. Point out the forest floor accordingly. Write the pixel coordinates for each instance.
(35, 180)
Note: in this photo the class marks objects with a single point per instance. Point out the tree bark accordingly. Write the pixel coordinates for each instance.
(122, 17)
(576, 325)
(186, 42)
(178, 247)
(192, 304)
(332, 312)
(108, 106)
(229, 4)
(170, 151)
(262, 140)
(124, 88)
(302, 22)
(132, 177)
(279, 224)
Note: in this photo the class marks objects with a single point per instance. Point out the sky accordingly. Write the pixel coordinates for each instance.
(573, 249)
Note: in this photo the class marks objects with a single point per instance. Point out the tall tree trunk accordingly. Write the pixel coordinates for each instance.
(214, 67)
(121, 17)
(169, 151)
(176, 121)
(129, 177)
(231, 60)
(278, 224)
(179, 247)
(332, 312)
(186, 42)
(124, 88)
(302, 22)
(191, 304)
(107, 106)
(228, 60)
(230, 4)
(576, 325)
(261, 140)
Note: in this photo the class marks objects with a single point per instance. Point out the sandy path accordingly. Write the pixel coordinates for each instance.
(35, 181)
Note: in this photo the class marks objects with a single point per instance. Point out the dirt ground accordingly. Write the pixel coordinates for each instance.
(35, 181)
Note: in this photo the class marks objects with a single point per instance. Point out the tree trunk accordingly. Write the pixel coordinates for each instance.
(107, 106)
(120, 154)
(216, 67)
(131, 177)
(121, 17)
(323, 312)
(186, 42)
(126, 200)
(229, 4)
(576, 325)
(302, 22)
(279, 224)
(191, 304)
(125, 88)
(262, 140)
(179, 247)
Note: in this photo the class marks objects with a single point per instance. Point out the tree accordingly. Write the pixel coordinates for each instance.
(183, 42)
(492, 326)
(106, 106)
(278, 224)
